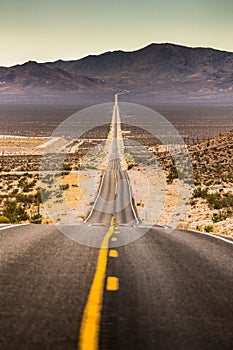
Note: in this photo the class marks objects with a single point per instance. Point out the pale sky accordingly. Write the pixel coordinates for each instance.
(48, 30)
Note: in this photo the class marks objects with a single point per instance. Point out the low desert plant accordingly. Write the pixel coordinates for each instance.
(173, 174)
(130, 166)
(36, 219)
(200, 193)
(15, 213)
(222, 215)
(4, 220)
(209, 228)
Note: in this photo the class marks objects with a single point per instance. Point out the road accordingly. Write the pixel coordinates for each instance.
(165, 290)
(175, 291)
(115, 195)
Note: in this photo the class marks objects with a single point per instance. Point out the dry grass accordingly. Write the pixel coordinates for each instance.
(72, 194)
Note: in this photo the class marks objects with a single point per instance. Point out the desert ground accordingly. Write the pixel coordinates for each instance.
(155, 184)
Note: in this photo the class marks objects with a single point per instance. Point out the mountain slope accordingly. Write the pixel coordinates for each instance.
(35, 76)
(156, 70)
(154, 58)
(158, 65)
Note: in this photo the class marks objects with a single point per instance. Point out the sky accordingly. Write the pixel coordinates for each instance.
(48, 30)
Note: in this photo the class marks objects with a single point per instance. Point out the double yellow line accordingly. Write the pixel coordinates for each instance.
(90, 325)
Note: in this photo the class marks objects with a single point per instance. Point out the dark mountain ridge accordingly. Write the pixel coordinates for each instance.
(153, 57)
(157, 69)
(33, 75)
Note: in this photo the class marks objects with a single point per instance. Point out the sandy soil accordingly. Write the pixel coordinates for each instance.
(21, 144)
(155, 200)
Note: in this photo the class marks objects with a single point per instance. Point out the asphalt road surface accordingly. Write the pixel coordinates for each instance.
(114, 195)
(175, 291)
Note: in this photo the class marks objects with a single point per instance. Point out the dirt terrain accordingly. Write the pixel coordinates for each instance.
(209, 209)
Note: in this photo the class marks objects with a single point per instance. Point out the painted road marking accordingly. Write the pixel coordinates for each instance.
(212, 235)
(113, 253)
(114, 239)
(131, 201)
(93, 207)
(89, 332)
(112, 283)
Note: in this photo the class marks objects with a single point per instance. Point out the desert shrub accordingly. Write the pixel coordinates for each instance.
(15, 191)
(200, 193)
(15, 213)
(28, 187)
(215, 200)
(4, 220)
(22, 181)
(130, 166)
(173, 174)
(36, 219)
(67, 167)
(37, 197)
(209, 228)
(220, 201)
(193, 202)
(222, 215)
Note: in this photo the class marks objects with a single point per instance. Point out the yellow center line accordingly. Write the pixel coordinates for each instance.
(114, 239)
(89, 332)
(113, 253)
(112, 283)
(90, 325)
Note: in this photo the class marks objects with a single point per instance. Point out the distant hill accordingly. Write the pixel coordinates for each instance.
(36, 76)
(158, 70)
(159, 67)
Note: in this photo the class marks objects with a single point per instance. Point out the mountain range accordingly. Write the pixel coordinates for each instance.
(157, 69)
